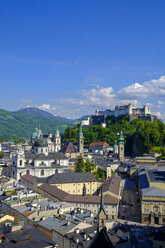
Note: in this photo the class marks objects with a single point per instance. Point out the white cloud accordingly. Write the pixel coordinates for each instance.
(86, 101)
(97, 97)
(152, 87)
(133, 91)
(46, 107)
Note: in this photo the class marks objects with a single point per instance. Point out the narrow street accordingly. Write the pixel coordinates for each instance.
(129, 208)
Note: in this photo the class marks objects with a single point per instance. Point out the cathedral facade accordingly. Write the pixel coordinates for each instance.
(44, 159)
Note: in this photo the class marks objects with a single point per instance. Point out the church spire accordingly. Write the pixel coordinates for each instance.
(57, 131)
(102, 214)
(80, 130)
(121, 138)
(102, 201)
(81, 140)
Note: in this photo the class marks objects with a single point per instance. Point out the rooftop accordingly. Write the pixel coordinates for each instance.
(68, 147)
(70, 177)
(153, 192)
(157, 175)
(112, 184)
(99, 143)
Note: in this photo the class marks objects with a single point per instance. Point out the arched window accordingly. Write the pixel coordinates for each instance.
(41, 150)
(42, 172)
(28, 172)
(20, 162)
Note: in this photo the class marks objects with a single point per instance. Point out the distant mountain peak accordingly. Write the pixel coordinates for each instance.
(43, 114)
(36, 112)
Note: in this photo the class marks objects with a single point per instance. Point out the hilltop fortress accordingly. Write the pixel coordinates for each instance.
(100, 116)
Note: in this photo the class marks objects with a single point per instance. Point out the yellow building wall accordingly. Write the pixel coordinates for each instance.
(77, 188)
(157, 184)
(153, 199)
(6, 217)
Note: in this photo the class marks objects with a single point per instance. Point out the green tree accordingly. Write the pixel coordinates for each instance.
(80, 167)
(87, 165)
(1, 154)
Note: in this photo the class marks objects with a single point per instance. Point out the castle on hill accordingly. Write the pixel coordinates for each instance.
(133, 113)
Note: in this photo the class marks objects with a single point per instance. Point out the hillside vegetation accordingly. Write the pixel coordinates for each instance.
(140, 136)
(16, 124)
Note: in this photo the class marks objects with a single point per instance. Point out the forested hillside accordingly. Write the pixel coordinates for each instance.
(15, 124)
(140, 136)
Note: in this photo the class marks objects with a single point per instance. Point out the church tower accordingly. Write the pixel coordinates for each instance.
(121, 146)
(102, 214)
(115, 148)
(57, 141)
(81, 140)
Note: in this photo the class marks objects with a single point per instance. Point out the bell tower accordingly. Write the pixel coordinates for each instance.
(121, 146)
(102, 214)
(57, 141)
(81, 140)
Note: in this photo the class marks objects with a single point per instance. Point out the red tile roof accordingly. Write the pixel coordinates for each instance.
(100, 143)
(1, 235)
(28, 213)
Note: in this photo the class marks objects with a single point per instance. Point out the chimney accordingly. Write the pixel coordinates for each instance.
(68, 222)
(77, 230)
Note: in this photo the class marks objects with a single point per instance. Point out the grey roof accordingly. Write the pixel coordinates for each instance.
(29, 155)
(33, 235)
(41, 156)
(90, 232)
(112, 184)
(153, 192)
(68, 147)
(51, 156)
(27, 244)
(71, 177)
(156, 175)
(62, 226)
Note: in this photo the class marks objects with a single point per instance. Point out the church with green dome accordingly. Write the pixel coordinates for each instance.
(43, 160)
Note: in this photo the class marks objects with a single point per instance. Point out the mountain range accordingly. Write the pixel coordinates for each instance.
(22, 123)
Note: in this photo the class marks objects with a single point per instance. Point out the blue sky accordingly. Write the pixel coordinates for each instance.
(71, 57)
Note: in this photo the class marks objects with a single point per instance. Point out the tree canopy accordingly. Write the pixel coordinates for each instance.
(140, 136)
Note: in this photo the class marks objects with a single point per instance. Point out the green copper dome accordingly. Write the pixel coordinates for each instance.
(121, 138)
(115, 145)
(57, 131)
